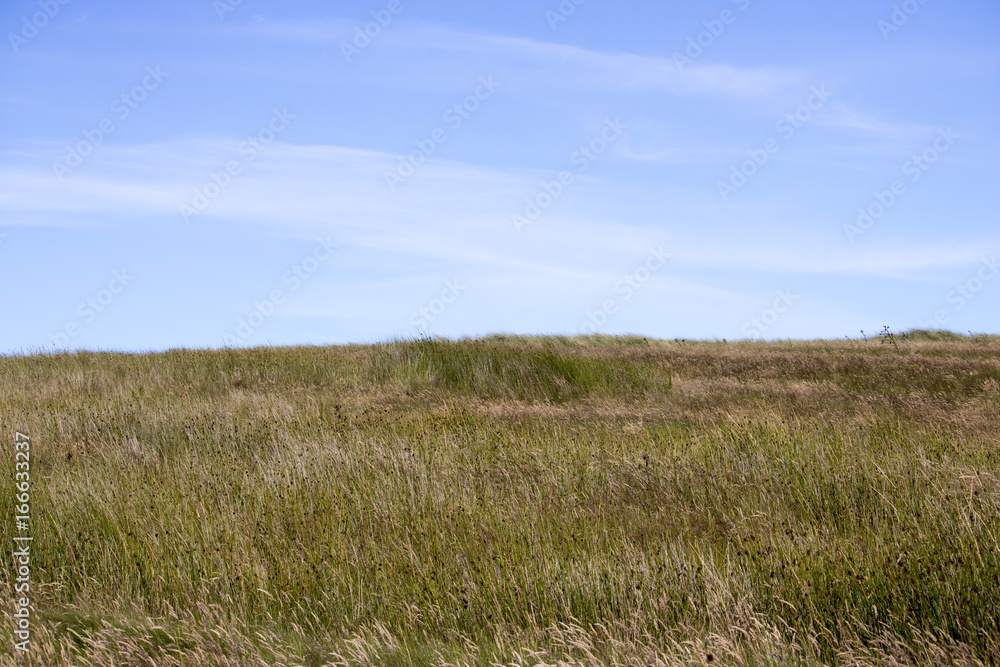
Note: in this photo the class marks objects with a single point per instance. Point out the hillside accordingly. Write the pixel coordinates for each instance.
(512, 500)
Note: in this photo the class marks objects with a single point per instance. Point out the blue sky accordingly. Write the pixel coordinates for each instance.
(202, 174)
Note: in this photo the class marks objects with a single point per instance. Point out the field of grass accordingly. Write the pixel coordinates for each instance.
(512, 501)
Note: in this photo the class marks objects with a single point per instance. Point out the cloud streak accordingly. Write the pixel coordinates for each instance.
(540, 63)
(456, 212)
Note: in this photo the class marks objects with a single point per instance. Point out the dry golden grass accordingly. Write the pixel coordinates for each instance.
(513, 501)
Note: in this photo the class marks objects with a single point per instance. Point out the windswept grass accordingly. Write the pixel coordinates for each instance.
(590, 500)
(548, 370)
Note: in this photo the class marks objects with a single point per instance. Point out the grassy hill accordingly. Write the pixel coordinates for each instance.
(507, 500)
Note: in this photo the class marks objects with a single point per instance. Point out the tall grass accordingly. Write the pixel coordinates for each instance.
(489, 369)
(590, 500)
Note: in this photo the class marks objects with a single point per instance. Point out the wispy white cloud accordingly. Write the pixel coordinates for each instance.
(539, 62)
(450, 212)
(905, 263)
(627, 70)
(845, 117)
